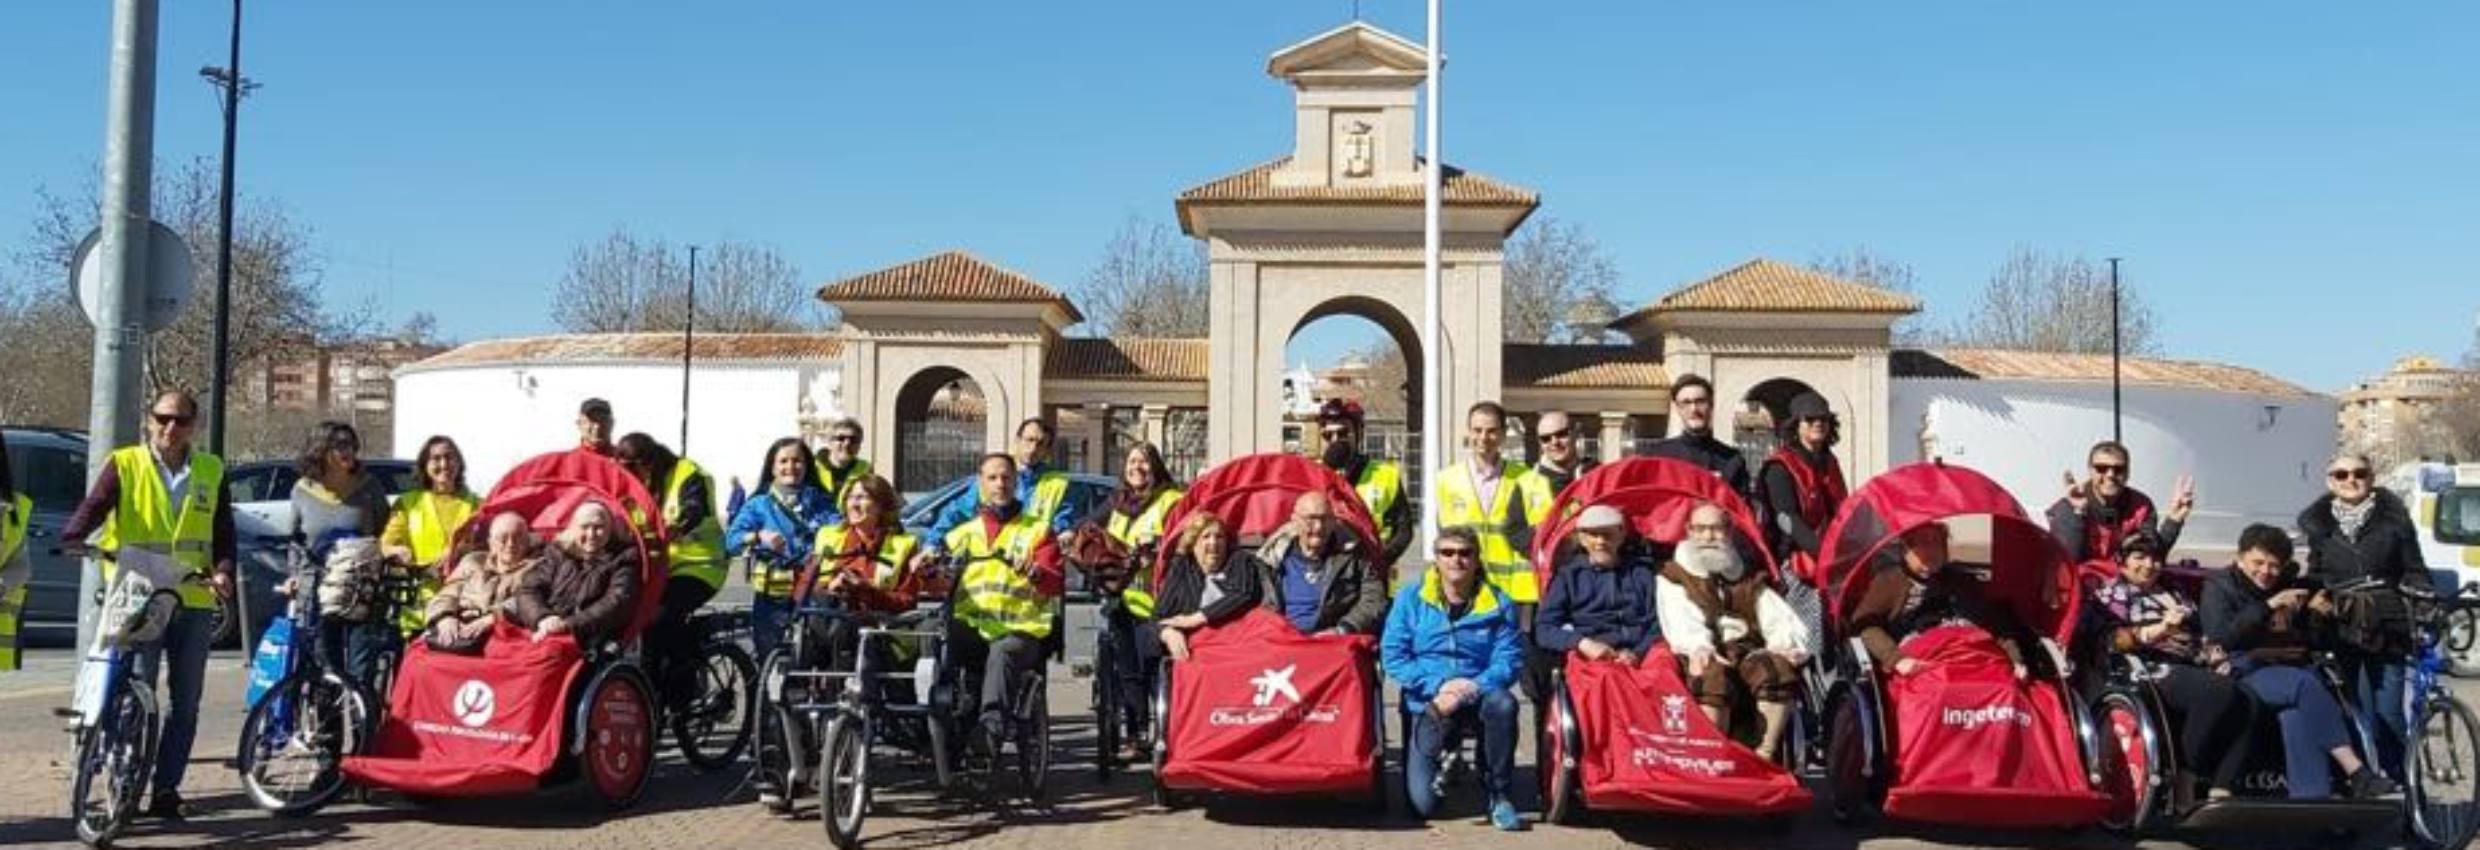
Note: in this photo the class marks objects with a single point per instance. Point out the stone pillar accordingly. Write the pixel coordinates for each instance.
(1098, 434)
(1614, 435)
(1154, 419)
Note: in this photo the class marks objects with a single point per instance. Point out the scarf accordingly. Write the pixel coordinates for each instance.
(2353, 517)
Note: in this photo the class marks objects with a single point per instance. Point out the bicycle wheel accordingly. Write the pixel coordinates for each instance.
(2462, 642)
(1033, 739)
(2444, 775)
(294, 742)
(773, 746)
(712, 723)
(114, 759)
(844, 781)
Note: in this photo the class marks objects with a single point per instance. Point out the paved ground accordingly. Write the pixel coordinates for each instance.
(685, 809)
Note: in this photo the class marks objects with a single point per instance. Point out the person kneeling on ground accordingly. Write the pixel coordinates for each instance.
(1732, 632)
(1914, 588)
(1211, 582)
(2264, 613)
(586, 584)
(1452, 643)
(485, 585)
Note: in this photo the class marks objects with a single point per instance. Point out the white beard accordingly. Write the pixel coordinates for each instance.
(1710, 560)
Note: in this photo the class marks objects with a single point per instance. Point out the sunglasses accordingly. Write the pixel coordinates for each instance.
(2109, 469)
(1455, 553)
(1556, 435)
(169, 419)
(2362, 473)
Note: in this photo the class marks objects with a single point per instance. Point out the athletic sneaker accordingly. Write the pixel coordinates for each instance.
(1503, 815)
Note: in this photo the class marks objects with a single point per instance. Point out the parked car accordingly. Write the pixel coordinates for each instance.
(50, 467)
(261, 494)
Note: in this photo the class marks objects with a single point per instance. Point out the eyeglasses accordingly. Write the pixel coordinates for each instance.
(170, 419)
(1694, 401)
(2118, 469)
(1458, 552)
(2361, 473)
(844, 438)
(1335, 433)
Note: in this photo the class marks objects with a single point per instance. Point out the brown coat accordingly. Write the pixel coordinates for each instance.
(1887, 608)
(596, 594)
(461, 614)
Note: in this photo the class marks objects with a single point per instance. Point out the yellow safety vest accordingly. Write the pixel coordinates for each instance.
(1137, 531)
(147, 519)
(992, 598)
(835, 486)
(894, 558)
(13, 604)
(1459, 504)
(431, 521)
(1049, 492)
(699, 553)
(1381, 484)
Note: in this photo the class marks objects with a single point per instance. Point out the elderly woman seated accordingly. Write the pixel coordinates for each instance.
(585, 585)
(1211, 582)
(1734, 634)
(484, 586)
(1914, 587)
(2152, 621)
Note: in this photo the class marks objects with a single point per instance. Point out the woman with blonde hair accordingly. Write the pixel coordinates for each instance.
(1211, 582)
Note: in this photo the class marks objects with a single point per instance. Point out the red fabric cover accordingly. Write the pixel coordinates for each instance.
(1648, 746)
(2029, 571)
(474, 725)
(1232, 729)
(1975, 747)
(1253, 496)
(1655, 494)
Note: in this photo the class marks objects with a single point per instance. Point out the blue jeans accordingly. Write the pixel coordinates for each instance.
(1496, 712)
(2311, 725)
(355, 649)
(767, 617)
(2376, 688)
(185, 639)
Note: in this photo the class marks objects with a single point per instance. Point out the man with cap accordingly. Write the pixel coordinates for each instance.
(1561, 464)
(1379, 482)
(1600, 601)
(1737, 640)
(594, 427)
(1803, 482)
(1692, 404)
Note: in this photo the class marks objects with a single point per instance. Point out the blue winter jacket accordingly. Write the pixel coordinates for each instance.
(813, 509)
(1421, 650)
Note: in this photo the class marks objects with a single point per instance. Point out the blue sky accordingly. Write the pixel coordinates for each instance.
(2277, 174)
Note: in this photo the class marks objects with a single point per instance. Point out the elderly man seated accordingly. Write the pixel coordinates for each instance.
(1916, 588)
(484, 586)
(1600, 602)
(585, 585)
(1322, 584)
(1733, 633)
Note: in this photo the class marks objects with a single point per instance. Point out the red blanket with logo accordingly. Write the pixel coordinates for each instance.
(1648, 746)
(472, 725)
(1259, 708)
(1975, 747)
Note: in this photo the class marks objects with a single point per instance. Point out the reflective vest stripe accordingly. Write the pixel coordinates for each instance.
(1459, 504)
(699, 553)
(1138, 531)
(1049, 492)
(1381, 483)
(835, 486)
(995, 600)
(147, 520)
(13, 603)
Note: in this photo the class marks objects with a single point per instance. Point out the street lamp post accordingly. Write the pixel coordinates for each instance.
(233, 86)
(2118, 432)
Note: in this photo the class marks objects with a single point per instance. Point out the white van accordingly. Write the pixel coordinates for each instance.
(2445, 504)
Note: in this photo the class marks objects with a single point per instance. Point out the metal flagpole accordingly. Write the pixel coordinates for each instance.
(219, 391)
(1434, 337)
(688, 340)
(2117, 431)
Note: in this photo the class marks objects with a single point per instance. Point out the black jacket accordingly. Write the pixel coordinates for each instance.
(1559, 480)
(1703, 450)
(2388, 547)
(2236, 618)
(1789, 530)
(2072, 528)
(1185, 587)
(1355, 598)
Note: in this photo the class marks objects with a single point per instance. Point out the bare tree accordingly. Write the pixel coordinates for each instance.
(277, 304)
(628, 283)
(1861, 265)
(1554, 271)
(2040, 302)
(1150, 282)
(40, 322)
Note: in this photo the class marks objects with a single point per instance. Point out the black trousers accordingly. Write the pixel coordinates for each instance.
(671, 648)
(1004, 664)
(2213, 716)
